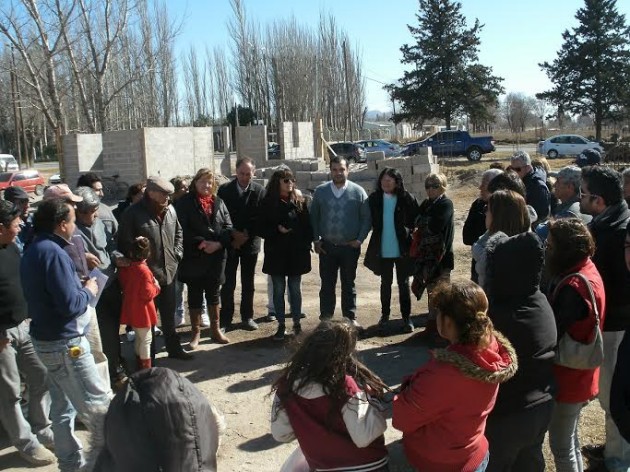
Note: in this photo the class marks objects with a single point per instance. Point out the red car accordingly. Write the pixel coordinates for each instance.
(29, 180)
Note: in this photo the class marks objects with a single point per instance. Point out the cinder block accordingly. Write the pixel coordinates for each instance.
(375, 156)
(422, 169)
(321, 176)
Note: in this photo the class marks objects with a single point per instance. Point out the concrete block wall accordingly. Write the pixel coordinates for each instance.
(123, 154)
(251, 141)
(82, 153)
(304, 147)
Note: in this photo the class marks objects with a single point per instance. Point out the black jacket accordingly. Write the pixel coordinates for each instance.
(620, 389)
(290, 253)
(537, 194)
(244, 210)
(12, 303)
(197, 227)
(522, 313)
(160, 422)
(404, 217)
(609, 231)
(475, 224)
(165, 238)
(440, 213)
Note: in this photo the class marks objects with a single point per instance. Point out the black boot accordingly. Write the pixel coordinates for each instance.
(279, 336)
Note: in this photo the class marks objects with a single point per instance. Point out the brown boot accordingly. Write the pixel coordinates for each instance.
(215, 331)
(195, 323)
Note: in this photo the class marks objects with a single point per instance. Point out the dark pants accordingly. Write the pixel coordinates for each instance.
(198, 288)
(165, 304)
(108, 314)
(342, 260)
(516, 439)
(387, 276)
(248, 265)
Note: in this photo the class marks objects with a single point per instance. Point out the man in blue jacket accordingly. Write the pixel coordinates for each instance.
(57, 302)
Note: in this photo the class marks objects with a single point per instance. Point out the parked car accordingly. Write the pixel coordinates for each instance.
(453, 143)
(567, 145)
(8, 163)
(353, 152)
(55, 179)
(375, 145)
(29, 180)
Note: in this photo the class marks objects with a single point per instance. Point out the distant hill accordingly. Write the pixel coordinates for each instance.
(377, 115)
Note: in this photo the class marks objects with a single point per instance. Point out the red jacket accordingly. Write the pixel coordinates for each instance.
(139, 290)
(443, 406)
(577, 385)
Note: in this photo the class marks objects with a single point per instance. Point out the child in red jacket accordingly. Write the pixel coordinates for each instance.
(443, 406)
(324, 399)
(139, 289)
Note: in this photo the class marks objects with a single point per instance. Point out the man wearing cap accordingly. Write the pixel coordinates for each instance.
(105, 213)
(154, 218)
(17, 356)
(58, 302)
(19, 197)
(102, 247)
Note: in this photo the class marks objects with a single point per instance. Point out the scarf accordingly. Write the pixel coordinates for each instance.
(207, 204)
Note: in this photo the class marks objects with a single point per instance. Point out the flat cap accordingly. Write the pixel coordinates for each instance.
(12, 194)
(158, 184)
(61, 191)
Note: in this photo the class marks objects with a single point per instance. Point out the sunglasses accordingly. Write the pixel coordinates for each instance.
(288, 181)
(434, 187)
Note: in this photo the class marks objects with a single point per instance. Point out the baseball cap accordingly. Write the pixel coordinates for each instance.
(12, 194)
(61, 191)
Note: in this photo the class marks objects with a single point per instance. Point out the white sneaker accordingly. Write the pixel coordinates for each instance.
(158, 331)
(179, 319)
(131, 336)
(205, 320)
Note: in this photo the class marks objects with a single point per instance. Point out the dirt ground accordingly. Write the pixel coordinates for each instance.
(237, 377)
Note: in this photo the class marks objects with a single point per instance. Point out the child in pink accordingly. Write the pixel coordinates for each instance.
(139, 289)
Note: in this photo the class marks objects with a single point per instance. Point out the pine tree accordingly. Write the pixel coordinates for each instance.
(447, 80)
(592, 70)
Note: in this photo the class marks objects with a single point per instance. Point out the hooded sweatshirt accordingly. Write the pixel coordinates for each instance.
(443, 406)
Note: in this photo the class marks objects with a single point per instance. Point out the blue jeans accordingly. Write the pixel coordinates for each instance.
(19, 359)
(563, 437)
(342, 260)
(75, 387)
(279, 283)
(484, 463)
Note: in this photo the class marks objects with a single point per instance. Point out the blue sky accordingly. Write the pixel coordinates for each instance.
(517, 34)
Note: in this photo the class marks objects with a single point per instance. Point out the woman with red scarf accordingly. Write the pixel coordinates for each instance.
(207, 231)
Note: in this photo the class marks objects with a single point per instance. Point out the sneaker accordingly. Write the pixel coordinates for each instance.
(158, 331)
(355, 323)
(270, 317)
(408, 325)
(131, 335)
(179, 319)
(297, 328)
(594, 452)
(38, 456)
(205, 320)
(280, 334)
(250, 325)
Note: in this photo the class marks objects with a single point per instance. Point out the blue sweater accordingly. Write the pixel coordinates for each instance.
(54, 294)
(339, 220)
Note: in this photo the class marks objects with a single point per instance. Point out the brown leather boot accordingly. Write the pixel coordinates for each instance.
(215, 331)
(195, 323)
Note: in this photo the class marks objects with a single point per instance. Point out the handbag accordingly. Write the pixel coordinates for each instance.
(575, 354)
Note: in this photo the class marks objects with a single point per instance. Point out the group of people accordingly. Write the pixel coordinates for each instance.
(548, 267)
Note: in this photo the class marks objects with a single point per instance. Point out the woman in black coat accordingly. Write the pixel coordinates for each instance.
(285, 225)
(393, 212)
(207, 231)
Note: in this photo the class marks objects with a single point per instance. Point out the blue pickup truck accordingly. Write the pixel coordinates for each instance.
(453, 143)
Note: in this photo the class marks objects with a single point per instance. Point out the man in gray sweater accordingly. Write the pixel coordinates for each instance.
(341, 221)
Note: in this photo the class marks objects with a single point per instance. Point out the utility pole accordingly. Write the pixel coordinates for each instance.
(394, 119)
(345, 67)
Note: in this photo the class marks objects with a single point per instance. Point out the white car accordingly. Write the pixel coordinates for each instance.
(566, 145)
